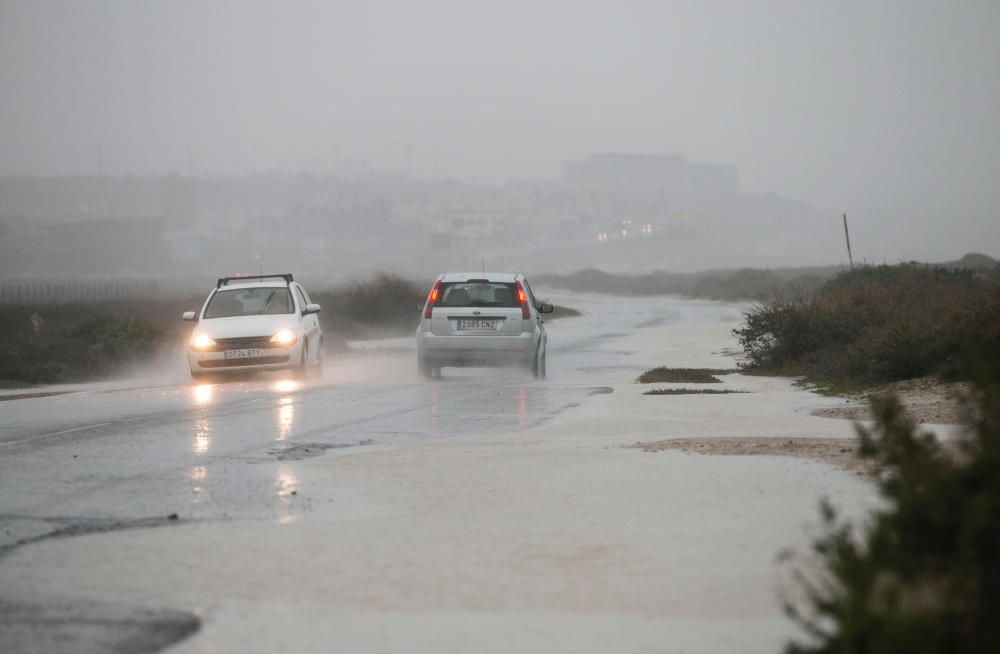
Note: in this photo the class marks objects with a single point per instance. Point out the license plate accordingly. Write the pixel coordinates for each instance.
(476, 323)
(241, 354)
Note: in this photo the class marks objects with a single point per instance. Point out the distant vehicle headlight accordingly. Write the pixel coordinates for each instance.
(202, 342)
(284, 337)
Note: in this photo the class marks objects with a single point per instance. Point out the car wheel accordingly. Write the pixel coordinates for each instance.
(425, 369)
(539, 368)
(300, 371)
(318, 368)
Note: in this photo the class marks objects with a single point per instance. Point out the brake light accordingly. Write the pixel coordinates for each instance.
(432, 299)
(522, 297)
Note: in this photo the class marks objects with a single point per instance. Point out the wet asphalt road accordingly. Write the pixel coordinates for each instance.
(217, 451)
(221, 451)
(131, 454)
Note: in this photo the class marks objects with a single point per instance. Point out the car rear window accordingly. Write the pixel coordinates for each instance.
(264, 300)
(478, 294)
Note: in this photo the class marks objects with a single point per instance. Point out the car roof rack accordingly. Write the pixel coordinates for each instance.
(245, 278)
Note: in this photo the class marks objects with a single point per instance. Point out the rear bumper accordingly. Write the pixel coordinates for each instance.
(477, 350)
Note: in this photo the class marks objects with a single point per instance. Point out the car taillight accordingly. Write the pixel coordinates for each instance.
(432, 299)
(522, 297)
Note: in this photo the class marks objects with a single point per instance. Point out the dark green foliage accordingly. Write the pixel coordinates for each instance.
(876, 324)
(75, 342)
(384, 304)
(682, 375)
(924, 576)
(743, 284)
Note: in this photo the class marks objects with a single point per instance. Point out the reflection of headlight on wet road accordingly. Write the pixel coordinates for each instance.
(203, 393)
(286, 416)
(286, 386)
(201, 342)
(284, 337)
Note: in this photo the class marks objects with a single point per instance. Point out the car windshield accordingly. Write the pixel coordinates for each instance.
(478, 294)
(264, 300)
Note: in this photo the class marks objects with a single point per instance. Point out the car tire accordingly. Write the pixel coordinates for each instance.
(302, 370)
(538, 364)
(425, 369)
(317, 369)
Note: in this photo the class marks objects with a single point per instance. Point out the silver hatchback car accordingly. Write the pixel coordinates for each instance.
(481, 319)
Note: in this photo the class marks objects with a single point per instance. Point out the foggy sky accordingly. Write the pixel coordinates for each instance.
(861, 106)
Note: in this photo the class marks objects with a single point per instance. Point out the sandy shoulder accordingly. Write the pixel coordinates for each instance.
(926, 400)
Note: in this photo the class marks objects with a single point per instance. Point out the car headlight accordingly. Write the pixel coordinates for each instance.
(284, 337)
(202, 342)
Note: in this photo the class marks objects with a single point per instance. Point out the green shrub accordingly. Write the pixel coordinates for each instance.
(73, 342)
(121, 340)
(742, 284)
(384, 304)
(682, 375)
(691, 391)
(876, 324)
(924, 576)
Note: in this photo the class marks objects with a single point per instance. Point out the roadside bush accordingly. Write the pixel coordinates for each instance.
(664, 374)
(876, 324)
(742, 284)
(72, 343)
(384, 304)
(924, 576)
(120, 341)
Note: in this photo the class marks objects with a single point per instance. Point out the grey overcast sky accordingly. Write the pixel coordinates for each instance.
(848, 104)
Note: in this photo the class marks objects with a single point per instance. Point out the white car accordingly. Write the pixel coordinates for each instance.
(481, 319)
(251, 324)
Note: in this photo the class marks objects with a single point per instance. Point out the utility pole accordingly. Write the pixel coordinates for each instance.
(847, 236)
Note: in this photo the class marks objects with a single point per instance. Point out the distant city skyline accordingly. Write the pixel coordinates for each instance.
(882, 110)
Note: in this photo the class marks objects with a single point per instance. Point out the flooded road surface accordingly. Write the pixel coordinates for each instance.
(373, 510)
(213, 450)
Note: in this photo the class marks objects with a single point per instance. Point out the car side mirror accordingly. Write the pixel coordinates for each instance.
(189, 315)
(420, 307)
(546, 308)
(311, 308)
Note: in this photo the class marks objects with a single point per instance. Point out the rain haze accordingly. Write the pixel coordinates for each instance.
(457, 326)
(884, 111)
